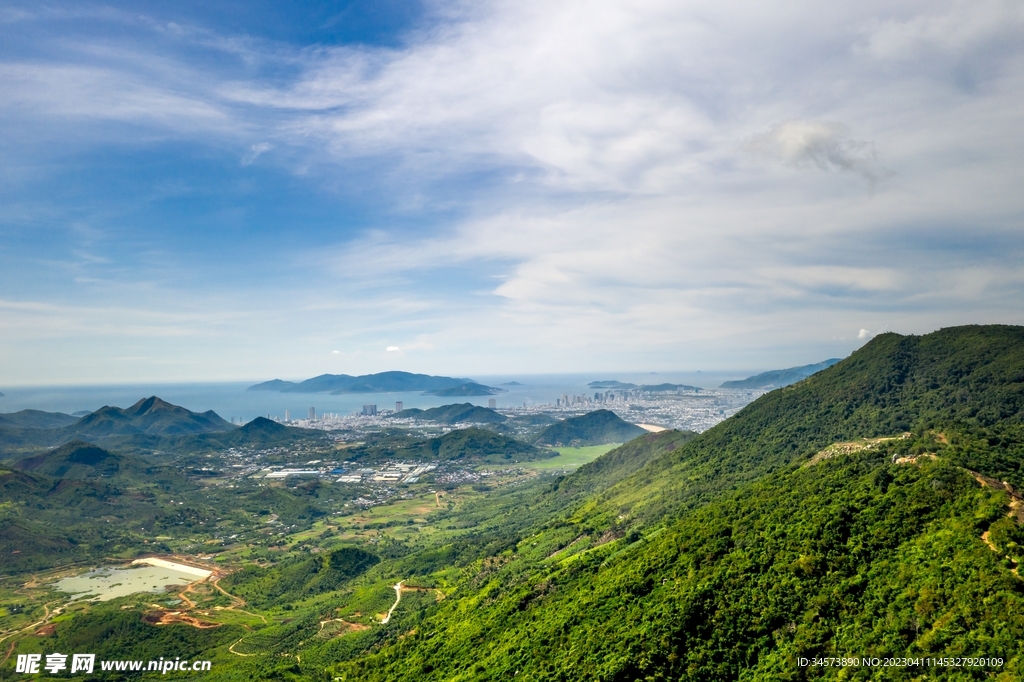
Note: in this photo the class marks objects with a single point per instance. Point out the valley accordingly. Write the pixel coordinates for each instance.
(867, 510)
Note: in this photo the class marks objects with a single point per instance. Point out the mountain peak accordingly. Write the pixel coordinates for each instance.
(263, 424)
(151, 404)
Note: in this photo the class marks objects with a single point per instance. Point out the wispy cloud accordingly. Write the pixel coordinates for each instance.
(669, 180)
(823, 144)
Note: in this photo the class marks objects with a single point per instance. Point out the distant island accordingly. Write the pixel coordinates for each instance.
(507, 383)
(780, 377)
(469, 389)
(610, 384)
(646, 388)
(383, 382)
(669, 388)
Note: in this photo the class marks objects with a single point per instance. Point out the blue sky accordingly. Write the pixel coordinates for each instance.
(244, 190)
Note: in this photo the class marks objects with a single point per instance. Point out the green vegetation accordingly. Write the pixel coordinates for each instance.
(859, 512)
(75, 460)
(571, 458)
(465, 444)
(300, 577)
(594, 428)
(451, 414)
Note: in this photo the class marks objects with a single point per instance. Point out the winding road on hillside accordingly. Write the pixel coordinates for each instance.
(398, 597)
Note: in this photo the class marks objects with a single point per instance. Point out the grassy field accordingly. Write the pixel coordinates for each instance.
(570, 458)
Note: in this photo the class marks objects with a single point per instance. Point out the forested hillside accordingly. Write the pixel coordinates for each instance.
(869, 510)
(733, 556)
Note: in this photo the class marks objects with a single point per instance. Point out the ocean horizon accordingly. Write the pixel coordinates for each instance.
(233, 400)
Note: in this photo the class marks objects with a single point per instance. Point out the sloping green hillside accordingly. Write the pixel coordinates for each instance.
(730, 557)
(854, 557)
(76, 460)
(970, 378)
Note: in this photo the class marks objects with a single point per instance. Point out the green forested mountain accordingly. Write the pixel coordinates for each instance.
(144, 423)
(451, 414)
(76, 460)
(150, 416)
(593, 428)
(734, 555)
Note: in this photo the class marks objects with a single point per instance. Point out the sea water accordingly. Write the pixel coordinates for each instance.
(234, 401)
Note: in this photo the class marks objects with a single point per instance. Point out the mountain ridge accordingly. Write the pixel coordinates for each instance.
(36, 419)
(779, 378)
(725, 558)
(381, 382)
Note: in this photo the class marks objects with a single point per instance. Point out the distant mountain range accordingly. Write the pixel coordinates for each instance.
(383, 382)
(780, 377)
(36, 419)
(150, 423)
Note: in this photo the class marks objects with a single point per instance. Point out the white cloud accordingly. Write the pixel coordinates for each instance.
(824, 144)
(255, 151)
(619, 172)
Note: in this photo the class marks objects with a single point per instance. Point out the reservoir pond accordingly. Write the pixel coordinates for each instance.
(104, 584)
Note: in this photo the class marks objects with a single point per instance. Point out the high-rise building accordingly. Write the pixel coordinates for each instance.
(492, 403)
(369, 410)
(399, 406)
(287, 415)
(312, 413)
